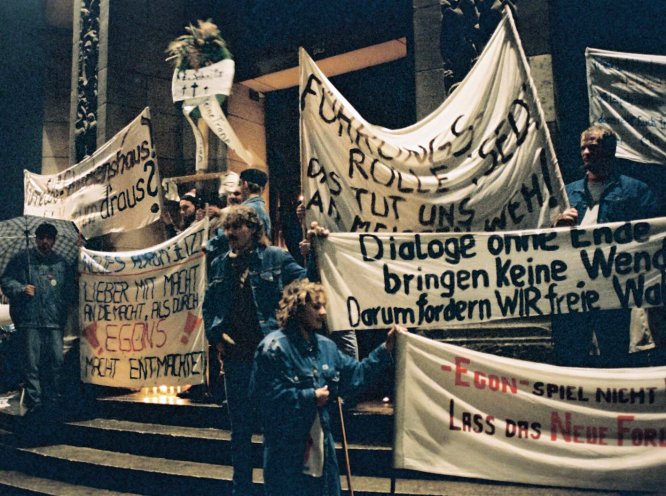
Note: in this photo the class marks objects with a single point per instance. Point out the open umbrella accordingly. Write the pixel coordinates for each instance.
(18, 233)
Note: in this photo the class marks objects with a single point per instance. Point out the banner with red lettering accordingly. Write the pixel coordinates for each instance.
(482, 161)
(470, 414)
(140, 313)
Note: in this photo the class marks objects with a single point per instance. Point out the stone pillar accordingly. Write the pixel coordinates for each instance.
(428, 70)
(119, 68)
(533, 27)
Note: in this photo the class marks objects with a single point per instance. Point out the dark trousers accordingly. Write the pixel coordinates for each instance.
(243, 417)
(572, 337)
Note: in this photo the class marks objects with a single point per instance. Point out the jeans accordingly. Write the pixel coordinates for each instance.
(242, 414)
(44, 356)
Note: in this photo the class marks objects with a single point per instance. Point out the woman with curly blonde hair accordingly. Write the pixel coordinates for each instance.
(295, 297)
(298, 374)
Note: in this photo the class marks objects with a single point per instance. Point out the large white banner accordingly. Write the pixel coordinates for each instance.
(627, 91)
(116, 189)
(470, 414)
(140, 313)
(482, 161)
(431, 280)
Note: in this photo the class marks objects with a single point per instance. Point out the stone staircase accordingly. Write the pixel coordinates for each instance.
(130, 444)
(123, 445)
(113, 442)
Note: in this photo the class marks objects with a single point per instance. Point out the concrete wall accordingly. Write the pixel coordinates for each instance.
(533, 27)
(57, 85)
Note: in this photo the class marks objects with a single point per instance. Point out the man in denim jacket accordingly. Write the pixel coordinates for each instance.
(601, 196)
(40, 286)
(245, 286)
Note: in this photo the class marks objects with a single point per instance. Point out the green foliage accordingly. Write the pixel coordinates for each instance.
(200, 47)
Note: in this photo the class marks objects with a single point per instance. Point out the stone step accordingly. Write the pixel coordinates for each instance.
(368, 423)
(130, 456)
(208, 445)
(19, 484)
(135, 474)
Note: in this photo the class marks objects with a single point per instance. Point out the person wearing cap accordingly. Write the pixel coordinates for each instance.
(252, 184)
(40, 286)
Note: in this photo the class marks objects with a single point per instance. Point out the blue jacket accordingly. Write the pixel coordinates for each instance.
(624, 199)
(55, 289)
(271, 269)
(287, 370)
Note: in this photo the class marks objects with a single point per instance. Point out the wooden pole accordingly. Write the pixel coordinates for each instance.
(202, 176)
(345, 447)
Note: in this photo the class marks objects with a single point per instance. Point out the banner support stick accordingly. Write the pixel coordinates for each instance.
(345, 447)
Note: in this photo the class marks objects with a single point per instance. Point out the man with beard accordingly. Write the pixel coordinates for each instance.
(191, 209)
(245, 285)
(601, 196)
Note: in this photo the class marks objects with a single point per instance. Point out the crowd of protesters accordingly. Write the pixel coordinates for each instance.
(264, 317)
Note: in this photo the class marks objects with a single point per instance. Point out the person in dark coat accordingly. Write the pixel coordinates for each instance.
(40, 286)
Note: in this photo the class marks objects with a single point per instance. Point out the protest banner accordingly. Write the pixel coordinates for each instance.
(430, 280)
(627, 91)
(471, 414)
(482, 161)
(116, 189)
(199, 90)
(140, 313)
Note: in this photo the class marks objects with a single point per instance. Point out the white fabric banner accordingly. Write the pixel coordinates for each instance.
(198, 89)
(483, 161)
(627, 91)
(212, 80)
(432, 279)
(214, 116)
(116, 189)
(470, 414)
(140, 313)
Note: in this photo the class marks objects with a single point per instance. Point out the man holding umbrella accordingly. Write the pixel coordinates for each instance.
(40, 285)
